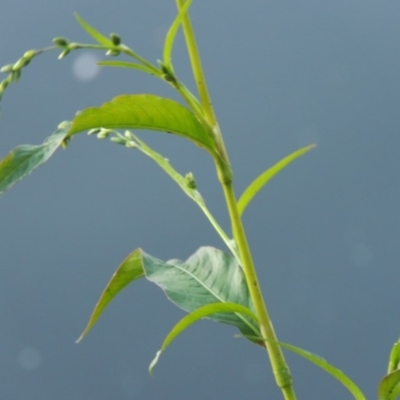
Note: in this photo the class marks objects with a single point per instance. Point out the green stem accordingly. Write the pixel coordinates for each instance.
(278, 363)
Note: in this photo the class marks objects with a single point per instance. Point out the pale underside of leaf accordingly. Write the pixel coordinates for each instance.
(24, 159)
(131, 269)
(196, 315)
(208, 276)
(149, 112)
(266, 176)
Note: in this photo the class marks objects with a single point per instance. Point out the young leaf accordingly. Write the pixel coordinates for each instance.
(193, 193)
(389, 387)
(170, 37)
(145, 111)
(22, 160)
(262, 179)
(194, 316)
(96, 35)
(127, 64)
(323, 364)
(208, 276)
(131, 269)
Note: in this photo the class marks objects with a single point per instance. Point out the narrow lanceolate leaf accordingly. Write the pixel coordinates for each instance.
(330, 369)
(22, 160)
(96, 35)
(196, 315)
(127, 64)
(208, 276)
(170, 37)
(145, 111)
(389, 388)
(262, 179)
(131, 269)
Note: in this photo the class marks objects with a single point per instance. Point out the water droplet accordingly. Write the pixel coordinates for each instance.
(85, 67)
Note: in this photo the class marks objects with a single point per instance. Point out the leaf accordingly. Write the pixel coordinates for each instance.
(208, 276)
(96, 35)
(22, 160)
(127, 64)
(262, 179)
(170, 37)
(145, 111)
(193, 317)
(131, 269)
(389, 387)
(323, 364)
(394, 358)
(193, 193)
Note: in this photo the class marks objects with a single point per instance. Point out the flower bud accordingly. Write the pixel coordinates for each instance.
(22, 62)
(116, 39)
(128, 135)
(104, 133)
(190, 181)
(113, 53)
(16, 75)
(64, 53)
(28, 55)
(130, 144)
(118, 140)
(60, 41)
(94, 131)
(7, 68)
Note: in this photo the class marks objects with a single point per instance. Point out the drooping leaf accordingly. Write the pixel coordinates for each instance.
(323, 364)
(131, 269)
(127, 64)
(22, 160)
(170, 37)
(96, 35)
(208, 276)
(196, 315)
(145, 111)
(262, 179)
(192, 192)
(389, 387)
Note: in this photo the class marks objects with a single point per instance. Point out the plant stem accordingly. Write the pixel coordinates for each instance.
(279, 366)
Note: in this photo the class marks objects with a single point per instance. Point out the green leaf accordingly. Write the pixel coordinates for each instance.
(22, 160)
(96, 35)
(170, 37)
(193, 193)
(194, 316)
(389, 387)
(145, 111)
(323, 364)
(131, 269)
(394, 359)
(262, 179)
(208, 276)
(127, 64)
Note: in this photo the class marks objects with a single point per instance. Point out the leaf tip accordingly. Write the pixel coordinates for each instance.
(154, 362)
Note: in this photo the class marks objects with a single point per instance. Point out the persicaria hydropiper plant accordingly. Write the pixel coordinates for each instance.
(211, 283)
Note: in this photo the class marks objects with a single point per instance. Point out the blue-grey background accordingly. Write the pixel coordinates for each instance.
(325, 233)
